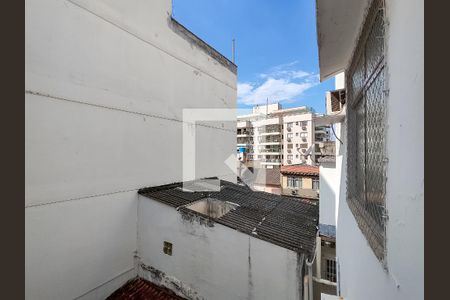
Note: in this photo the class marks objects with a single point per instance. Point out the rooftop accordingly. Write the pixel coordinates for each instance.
(327, 231)
(300, 170)
(141, 289)
(285, 221)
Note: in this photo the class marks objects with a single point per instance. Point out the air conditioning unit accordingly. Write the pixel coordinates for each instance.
(335, 100)
(289, 129)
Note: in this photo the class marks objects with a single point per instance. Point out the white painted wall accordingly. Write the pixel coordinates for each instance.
(329, 190)
(339, 81)
(106, 82)
(361, 274)
(217, 262)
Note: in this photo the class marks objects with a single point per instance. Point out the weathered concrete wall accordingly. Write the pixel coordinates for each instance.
(362, 276)
(212, 262)
(106, 82)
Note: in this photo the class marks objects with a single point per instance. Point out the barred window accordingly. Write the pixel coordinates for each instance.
(366, 163)
(330, 272)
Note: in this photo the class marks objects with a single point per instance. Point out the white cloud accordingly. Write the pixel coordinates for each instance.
(243, 89)
(272, 89)
(281, 83)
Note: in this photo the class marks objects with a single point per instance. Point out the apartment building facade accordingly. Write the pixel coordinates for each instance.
(377, 183)
(272, 136)
(106, 84)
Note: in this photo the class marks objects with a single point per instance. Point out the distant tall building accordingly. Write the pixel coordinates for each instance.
(273, 136)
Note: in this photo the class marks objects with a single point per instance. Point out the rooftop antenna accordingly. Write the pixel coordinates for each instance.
(233, 49)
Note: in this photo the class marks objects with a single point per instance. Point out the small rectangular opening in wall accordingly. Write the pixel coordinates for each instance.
(212, 207)
(167, 248)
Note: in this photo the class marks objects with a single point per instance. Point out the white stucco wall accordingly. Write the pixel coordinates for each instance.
(330, 174)
(329, 190)
(106, 82)
(361, 274)
(217, 262)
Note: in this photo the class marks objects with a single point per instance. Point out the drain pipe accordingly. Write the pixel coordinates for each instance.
(310, 279)
(310, 272)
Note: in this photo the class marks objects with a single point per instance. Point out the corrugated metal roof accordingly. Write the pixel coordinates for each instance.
(289, 222)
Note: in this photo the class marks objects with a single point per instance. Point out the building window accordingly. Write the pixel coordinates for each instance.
(296, 155)
(304, 134)
(366, 123)
(294, 182)
(296, 123)
(289, 135)
(289, 156)
(315, 184)
(289, 146)
(304, 123)
(296, 134)
(304, 145)
(289, 125)
(330, 272)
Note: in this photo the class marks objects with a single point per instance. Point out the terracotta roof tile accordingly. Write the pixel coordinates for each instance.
(141, 289)
(300, 170)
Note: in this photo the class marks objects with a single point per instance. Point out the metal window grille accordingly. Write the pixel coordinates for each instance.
(330, 272)
(366, 163)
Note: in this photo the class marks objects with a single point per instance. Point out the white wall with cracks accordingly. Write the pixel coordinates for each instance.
(106, 82)
(212, 261)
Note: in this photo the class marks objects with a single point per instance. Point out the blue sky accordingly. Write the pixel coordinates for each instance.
(276, 47)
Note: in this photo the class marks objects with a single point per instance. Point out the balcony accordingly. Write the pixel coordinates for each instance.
(270, 150)
(243, 142)
(270, 130)
(243, 124)
(244, 133)
(270, 161)
(269, 140)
